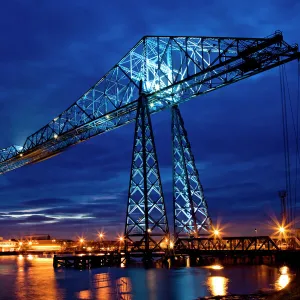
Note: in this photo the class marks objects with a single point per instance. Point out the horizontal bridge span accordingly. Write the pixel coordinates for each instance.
(171, 70)
(246, 243)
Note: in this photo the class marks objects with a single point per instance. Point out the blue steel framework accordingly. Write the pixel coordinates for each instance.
(146, 219)
(173, 69)
(189, 205)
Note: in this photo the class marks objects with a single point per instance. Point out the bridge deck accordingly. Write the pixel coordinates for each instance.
(244, 243)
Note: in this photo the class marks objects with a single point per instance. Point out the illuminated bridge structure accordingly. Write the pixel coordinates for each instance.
(158, 73)
(245, 243)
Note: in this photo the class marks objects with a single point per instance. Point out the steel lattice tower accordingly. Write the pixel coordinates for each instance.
(190, 208)
(146, 218)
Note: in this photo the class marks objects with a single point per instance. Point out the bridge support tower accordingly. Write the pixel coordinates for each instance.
(146, 218)
(189, 205)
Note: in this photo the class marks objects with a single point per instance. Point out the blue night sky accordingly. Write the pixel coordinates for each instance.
(53, 51)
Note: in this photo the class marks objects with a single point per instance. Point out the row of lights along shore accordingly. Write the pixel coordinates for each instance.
(216, 233)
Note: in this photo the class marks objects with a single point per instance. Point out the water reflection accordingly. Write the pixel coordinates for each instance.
(151, 277)
(35, 282)
(87, 294)
(103, 286)
(284, 279)
(124, 288)
(284, 270)
(35, 278)
(218, 285)
(282, 282)
(215, 267)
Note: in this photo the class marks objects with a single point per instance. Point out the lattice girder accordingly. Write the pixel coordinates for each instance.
(146, 218)
(190, 208)
(173, 69)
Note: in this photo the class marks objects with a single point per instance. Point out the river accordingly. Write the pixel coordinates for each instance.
(32, 277)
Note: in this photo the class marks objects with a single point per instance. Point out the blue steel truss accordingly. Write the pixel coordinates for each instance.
(173, 69)
(190, 208)
(146, 218)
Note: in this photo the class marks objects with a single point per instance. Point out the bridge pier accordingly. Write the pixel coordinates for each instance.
(189, 205)
(146, 223)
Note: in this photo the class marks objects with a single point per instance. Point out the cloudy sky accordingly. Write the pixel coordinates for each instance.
(53, 51)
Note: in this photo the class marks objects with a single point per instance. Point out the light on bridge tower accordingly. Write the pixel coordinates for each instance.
(190, 207)
(146, 218)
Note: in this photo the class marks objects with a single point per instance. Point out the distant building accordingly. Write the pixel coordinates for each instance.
(40, 242)
(43, 245)
(37, 237)
(8, 245)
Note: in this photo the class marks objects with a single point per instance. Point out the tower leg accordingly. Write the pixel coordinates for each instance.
(146, 218)
(189, 205)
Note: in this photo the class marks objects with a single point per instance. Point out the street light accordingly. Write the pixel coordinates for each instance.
(281, 229)
(101, 235)
(216, 232)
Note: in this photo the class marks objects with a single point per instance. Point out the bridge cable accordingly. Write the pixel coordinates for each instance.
(297, 136)
(285, 140)
(296, 133)
(285, 86)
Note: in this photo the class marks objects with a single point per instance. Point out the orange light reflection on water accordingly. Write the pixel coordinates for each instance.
(217, 285)
(86, 294)
(284, 278)
(282, 282)
(30, 282)
(284, 270)
(124, 287)
(216, 267)
(102, 286)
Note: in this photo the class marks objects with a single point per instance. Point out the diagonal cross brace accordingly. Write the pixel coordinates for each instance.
(189, 205)
(146, 218)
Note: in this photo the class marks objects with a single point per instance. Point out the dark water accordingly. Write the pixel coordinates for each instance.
(34, 278)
